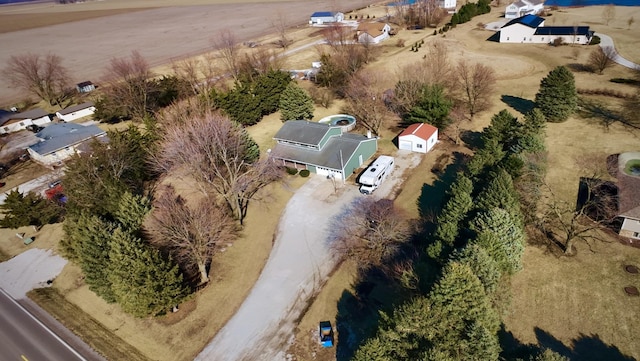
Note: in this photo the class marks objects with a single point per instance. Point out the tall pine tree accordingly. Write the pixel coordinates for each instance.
(91, 238)
(502, 236)
(143, 283)
(557, 97)
(295, 103)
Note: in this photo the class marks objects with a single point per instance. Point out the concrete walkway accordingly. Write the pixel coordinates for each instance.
(298, 266)
(606, 41)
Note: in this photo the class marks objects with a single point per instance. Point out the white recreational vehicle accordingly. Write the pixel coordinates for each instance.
(375, 174)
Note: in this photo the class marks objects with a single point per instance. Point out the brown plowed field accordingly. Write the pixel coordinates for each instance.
(159, 34)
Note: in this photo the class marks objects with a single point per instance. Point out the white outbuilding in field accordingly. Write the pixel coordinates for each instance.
(418, 137)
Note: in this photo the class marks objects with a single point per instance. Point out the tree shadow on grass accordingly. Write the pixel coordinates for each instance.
(583, 348)
(522, 105)
(432, 196)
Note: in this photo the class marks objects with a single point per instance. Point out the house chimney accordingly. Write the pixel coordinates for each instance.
(369, 134)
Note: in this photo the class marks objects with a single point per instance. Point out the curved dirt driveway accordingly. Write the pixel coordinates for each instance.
(298, 266)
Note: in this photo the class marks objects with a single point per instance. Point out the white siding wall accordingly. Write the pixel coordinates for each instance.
(77, 114)
(52, 158)
(516, 33)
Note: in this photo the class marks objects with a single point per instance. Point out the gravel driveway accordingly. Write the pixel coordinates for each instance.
(297, 268)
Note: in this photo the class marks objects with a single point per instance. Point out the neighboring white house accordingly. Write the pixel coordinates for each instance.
(531, 29)
(372, 33)
(448, 4)
(523, 7)
(85, 87)
(76, 112)
(12, 122)
(325, 17)
(59, 141)
(418, 137)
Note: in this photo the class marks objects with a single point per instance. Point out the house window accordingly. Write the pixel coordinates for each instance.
(636, 235)
(22, 124)
(419, 145)
(524, 39)
(507, 38)
(543, 38)
(6, 129)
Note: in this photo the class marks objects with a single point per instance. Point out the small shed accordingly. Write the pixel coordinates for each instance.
(418, 137)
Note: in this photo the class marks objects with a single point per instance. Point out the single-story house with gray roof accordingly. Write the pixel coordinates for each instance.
(12, 122)
(629, 198)
(60, 141)
(76, 112)
(321, 148)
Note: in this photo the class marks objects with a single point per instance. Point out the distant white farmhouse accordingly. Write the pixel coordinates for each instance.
(418, 137)
(76, 112)
(59, 141)
(12, 122)
(530, 29)
(372, 33)
(445, 4)
(523, 7)
(325, 17)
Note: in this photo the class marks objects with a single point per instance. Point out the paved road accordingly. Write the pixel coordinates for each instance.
(24, 338)
(298, 266)
(606, 41)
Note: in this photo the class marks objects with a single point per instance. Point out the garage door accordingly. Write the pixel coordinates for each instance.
(404, 145)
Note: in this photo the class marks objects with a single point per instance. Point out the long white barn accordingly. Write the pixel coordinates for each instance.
(531, 29)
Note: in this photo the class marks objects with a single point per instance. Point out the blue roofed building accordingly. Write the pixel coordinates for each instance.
(59, 141)
(531, 29)
(325, 17)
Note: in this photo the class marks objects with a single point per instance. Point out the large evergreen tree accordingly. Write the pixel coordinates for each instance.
(448, 222)
(499, 193)
(143, 283)
(91, 237)
(481, 264)
(557, 97)
(433, 107)
(131, 211)
(502, 236)
(240, 104)
(455, 321)
(28, 209)
(295, 103)
(268, 88)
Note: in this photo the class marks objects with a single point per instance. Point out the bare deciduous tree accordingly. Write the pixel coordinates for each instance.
(220, 156)
(42, 76)
(281, 24)
(365, 101)
(567, 222)
(630, 22)
(601, 58)
(259, 61)
(338, 36)
(201, 74)
(475, 83)
(370, 232)
(227, 45)
(191, 234)
(129, 86)
(608, 13)
(435, 69)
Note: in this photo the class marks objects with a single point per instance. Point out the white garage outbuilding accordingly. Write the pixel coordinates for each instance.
(418, 137)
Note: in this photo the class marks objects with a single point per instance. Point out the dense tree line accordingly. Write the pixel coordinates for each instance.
(479, 241)
(469, 10)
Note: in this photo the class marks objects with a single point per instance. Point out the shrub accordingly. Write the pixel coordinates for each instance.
(557, 42)
(292, 171)
(595, 40)
(400, 43)
(304, 173)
